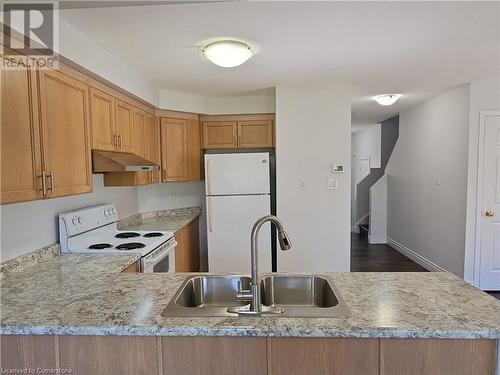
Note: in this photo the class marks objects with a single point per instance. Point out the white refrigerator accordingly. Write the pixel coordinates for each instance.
(237, 194)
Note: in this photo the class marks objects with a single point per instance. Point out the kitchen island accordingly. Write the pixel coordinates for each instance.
(73, 311)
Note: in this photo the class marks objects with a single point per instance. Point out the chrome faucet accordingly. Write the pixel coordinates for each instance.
(253, 295)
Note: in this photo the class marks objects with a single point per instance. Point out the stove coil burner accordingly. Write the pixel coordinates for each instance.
(127, 235)
(153, 234)
(130, 246)
(100, 246)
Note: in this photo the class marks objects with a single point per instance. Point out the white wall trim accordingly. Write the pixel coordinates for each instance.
(424, 262)
(377, 239)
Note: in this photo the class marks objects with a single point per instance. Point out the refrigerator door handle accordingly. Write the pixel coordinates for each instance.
(209, 177)
(210, 219)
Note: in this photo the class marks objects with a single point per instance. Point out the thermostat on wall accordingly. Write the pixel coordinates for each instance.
(337, 168)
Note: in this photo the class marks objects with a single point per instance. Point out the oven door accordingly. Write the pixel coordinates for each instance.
(160, 260)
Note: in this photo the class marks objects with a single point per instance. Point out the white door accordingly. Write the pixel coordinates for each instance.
(232, 174)
(489, 201)
(230, 220)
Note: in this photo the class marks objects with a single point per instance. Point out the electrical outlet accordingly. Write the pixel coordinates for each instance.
(331, 184)
(303, 184)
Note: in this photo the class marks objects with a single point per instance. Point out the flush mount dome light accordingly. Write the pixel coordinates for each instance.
(227, 53)
(388, 99)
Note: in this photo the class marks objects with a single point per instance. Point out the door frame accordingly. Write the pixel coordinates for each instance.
(473, 255)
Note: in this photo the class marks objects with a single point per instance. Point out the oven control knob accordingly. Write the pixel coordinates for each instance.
(74, 220)
(80, 220)
(106, 213)
(113, 211)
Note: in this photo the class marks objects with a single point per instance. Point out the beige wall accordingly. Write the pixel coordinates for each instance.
(425, 218)
(313, 130)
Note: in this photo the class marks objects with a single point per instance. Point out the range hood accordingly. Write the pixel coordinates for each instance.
(107, 161)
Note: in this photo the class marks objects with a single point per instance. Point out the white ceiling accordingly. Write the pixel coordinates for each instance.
(418, 49)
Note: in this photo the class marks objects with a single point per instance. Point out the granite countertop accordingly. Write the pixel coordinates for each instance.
(86, 295)
(167, 220)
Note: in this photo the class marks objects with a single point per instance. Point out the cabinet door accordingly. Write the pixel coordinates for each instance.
(152, 135)
(219, 134)
(153, 145)
(20, 133)
(124, 114)
(255, 133)
(102, 112)
(194, 150)
(181, 251)
(65, 133)
(297, 356)
(194, 246)
(140, 132)
(215, 355)
(174, 150)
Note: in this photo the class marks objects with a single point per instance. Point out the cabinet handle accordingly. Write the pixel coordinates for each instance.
(119, 141)
(44, 184)
(52, 182)
(210, 219)
(115, 139)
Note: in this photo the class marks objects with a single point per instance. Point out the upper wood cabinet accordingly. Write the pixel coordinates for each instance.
(65, 129)
(255, 133)
(174, 149)
(220, 134)
(124, 113)
(238, 131)
(195, 159)
(102, 109)
(140, 132)
(153, 151)
(20, 137)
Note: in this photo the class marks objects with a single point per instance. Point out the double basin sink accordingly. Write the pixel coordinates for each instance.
(298, 296)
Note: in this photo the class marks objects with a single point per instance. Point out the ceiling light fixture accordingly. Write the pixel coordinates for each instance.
(227, 53)
(387, 99)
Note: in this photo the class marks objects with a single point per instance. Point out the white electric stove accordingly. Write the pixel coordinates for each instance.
(94, 230)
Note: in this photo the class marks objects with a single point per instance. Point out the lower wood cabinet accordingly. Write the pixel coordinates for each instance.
(214, 355)
(328, 356)
(437, 357)
(137, 355)
(134, 267)
(187, 252)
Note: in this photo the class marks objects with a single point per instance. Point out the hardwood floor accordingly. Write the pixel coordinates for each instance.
(378, 258)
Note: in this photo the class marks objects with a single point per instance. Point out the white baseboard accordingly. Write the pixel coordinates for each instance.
(424, 262)
(377, 239)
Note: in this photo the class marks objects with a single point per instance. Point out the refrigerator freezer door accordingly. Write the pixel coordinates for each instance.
(237, 174)
(230, 220)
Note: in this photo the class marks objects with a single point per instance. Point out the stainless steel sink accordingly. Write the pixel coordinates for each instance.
(307, 296)
(207, 296)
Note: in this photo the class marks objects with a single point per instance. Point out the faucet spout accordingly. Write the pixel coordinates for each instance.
(285, 244)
